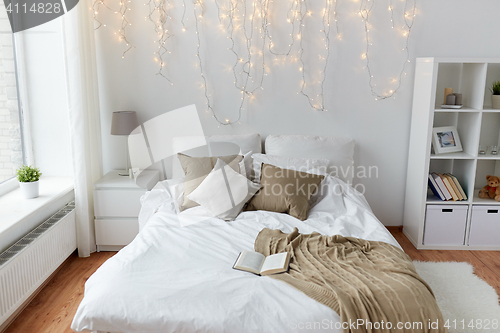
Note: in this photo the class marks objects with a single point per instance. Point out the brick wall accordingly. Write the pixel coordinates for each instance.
(10, 137)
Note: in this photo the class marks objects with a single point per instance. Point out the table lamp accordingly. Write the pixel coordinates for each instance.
(123, 123)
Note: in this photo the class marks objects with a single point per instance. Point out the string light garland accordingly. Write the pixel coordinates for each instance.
(320, 105)
(250, 28)
(160, 8)
(291, 20)
(199, 4)
(183, 15)
(391, 8)
(125, 23)
(335, 18)
(409, 18)
(122, 11)
(245, 62)
(96, 6)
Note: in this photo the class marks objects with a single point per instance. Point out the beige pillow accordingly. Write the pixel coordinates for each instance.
(196, 169)
(285, 191)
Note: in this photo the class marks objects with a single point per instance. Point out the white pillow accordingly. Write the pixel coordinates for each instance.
(316, 166)
(246, 143)
(165, 192)
(224, 192)
(246, 165)
(339, 151)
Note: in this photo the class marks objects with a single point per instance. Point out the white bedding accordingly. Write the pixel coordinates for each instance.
(180, 279)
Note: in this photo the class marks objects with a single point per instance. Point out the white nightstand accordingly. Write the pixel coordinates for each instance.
(116, 208)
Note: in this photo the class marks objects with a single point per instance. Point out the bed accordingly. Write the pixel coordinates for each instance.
(177, 276)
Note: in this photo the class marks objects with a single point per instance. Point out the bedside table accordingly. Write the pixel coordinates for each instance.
(116, 208)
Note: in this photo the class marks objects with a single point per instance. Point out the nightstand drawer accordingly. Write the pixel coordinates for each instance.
(117, 203)
(115, 231)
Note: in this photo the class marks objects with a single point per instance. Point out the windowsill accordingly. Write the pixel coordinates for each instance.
(18, 216)
(8, 185)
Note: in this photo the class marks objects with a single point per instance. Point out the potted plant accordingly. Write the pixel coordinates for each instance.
(495, 98)
(28, 177)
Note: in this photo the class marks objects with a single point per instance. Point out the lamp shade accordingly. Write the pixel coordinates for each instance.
(123, 122)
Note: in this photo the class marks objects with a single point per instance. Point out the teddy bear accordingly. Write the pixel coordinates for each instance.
(492, 190)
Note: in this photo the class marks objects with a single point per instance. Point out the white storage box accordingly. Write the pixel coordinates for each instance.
(445, 224)
(485, 226)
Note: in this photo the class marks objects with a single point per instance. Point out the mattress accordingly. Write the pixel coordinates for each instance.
(177, 276)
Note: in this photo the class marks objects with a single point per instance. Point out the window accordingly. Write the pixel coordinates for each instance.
(11, 146)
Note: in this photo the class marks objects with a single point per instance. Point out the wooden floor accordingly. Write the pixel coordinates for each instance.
(486, 263)
(52, 310)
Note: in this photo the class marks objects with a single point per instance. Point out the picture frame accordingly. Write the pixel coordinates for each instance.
(446, 140)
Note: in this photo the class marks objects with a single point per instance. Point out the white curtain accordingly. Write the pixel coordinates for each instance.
(83, 108)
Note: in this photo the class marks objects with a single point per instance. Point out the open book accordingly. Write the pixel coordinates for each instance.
(259, 264)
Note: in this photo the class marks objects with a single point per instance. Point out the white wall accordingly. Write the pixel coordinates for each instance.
(381, 128)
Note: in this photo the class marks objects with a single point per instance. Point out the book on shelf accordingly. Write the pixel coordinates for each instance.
(435, 188)
(454, 186)
(446, 187)
(457, 183)
(442, 186)
(257, 263)
(449, 187)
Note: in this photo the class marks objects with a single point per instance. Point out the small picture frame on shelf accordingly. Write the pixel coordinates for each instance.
(446, 140)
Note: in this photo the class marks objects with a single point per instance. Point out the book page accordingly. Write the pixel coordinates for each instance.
(250, 261)
(275, 261)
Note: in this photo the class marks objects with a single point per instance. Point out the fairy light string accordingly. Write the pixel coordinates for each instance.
(291, 18)
(184, 9)
(318, 102)
(124, 25)
(391, 8)
(255, 31)
(159, 16)
(122, 11)
(96, 6)
(366, 7)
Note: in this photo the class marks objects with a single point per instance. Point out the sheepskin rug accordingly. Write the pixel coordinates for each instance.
(461, 295)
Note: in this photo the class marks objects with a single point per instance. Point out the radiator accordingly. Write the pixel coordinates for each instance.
(26, 265)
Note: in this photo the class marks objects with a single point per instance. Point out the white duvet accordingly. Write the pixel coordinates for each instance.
(180, 279)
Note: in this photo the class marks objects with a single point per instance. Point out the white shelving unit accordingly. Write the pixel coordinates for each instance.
(477, 123)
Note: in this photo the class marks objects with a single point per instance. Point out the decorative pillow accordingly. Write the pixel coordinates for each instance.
(339, 151)
(196, 169)
(285, 191)
(246, 143)
(316, 166)
(224, 192)
(246, 165)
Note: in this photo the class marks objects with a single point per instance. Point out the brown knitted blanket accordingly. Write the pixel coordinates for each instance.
(371, 283)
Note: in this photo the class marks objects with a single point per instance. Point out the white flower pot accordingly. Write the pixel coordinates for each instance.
(29, 190)
(495, 101)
